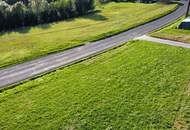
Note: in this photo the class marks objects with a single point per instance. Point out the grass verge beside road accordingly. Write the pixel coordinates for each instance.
(140, 85)
(29, 43)
(173, 33)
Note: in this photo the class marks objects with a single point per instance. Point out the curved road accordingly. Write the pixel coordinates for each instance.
(16, 74)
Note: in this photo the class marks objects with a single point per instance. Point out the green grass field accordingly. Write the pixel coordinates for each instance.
(140, 85)
(172, 33)
(29, 43)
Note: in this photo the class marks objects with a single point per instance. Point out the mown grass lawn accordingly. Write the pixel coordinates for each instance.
(25, 44)
(140, 85)
(173, 33)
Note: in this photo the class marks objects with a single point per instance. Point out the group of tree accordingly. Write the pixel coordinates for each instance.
(20, 13)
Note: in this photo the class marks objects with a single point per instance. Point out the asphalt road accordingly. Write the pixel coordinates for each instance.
(21, 72)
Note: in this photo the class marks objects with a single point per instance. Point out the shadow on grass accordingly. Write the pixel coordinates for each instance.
(96, 16)
(26, 29)
(93, 15)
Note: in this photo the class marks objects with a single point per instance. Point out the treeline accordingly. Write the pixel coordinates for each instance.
(20, 13)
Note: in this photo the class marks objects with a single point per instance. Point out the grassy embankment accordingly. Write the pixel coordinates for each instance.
(140, 85)
(173, 33)
(29, 43)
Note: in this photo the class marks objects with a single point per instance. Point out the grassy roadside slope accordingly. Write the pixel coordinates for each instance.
(137, 86)
(172, 33)
(25, 44)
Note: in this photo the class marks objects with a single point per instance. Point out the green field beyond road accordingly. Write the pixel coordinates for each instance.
(140, 85)
(173, 33)
(25, 44)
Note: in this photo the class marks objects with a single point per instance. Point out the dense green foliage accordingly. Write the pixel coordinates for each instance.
(173, 33)
(32, 12)
(138, 86)
(24, 44)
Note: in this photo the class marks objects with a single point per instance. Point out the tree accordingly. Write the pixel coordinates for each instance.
(188, 6)
(4, 13)
(83, 6)
(18, 13)
(37, 7)
(71, 8)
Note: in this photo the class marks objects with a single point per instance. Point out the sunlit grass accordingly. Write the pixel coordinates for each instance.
(140, 85)
(25, 44)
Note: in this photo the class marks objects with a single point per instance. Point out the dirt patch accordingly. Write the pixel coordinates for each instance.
(180, 125)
